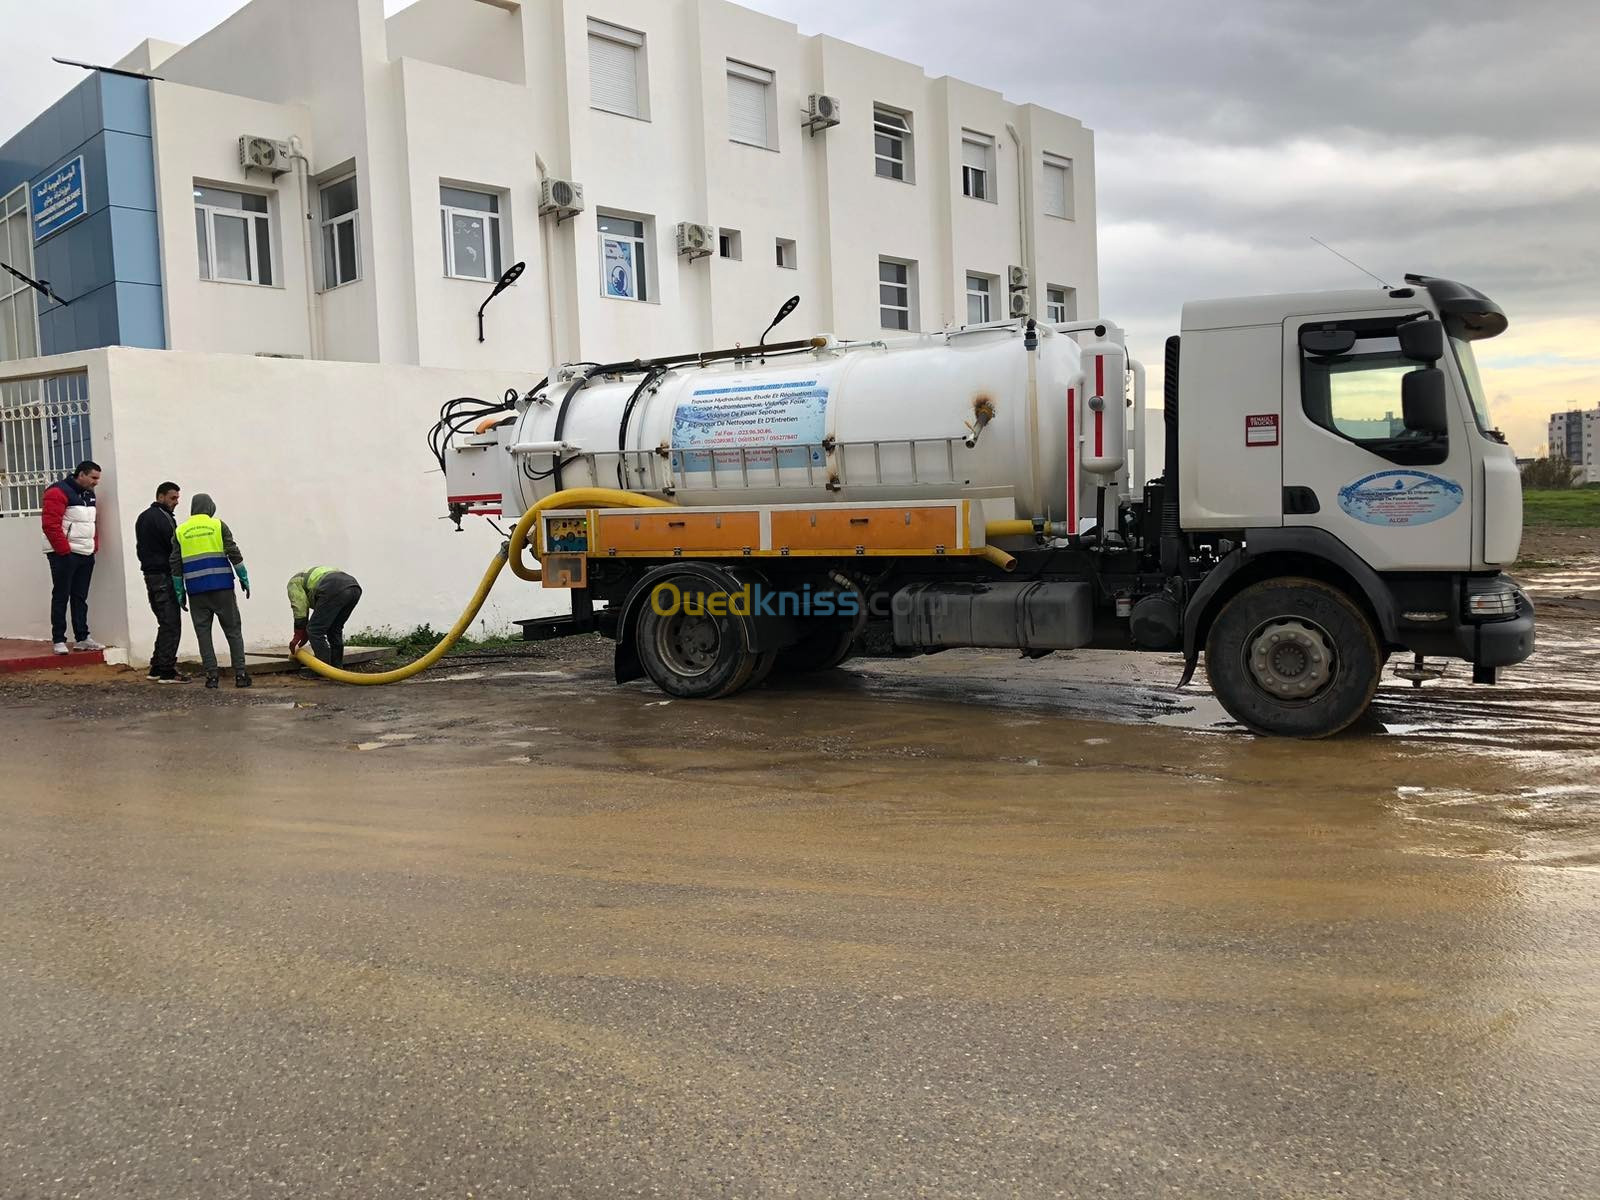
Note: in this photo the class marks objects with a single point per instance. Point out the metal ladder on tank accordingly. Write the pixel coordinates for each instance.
(700, 471)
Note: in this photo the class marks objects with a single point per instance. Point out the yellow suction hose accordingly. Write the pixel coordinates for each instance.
(582, 497)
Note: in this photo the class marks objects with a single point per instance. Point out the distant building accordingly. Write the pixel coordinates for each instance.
(1573, 436)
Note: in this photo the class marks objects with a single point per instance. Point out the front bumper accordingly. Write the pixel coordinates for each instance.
(1486, 644)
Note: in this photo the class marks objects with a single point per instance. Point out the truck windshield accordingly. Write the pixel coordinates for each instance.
(1469, 373)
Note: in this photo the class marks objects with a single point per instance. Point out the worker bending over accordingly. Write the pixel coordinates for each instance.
(322, 600)
(204, 560)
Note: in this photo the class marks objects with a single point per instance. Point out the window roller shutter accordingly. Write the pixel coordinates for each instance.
(613, 75)
(1055, 190)
(747, 110)
(974, 155)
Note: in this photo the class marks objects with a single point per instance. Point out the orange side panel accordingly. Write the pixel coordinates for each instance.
(678, 530)
(872, 528)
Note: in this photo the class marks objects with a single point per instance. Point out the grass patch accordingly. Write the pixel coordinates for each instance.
(414, 643)
(1568, 508)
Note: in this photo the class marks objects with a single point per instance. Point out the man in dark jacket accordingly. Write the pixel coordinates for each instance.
(67, 520)
(152, 534)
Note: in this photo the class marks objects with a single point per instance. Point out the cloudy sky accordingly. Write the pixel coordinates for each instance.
(1457, 139)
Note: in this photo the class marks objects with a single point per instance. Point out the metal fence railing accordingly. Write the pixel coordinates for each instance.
(44, 433)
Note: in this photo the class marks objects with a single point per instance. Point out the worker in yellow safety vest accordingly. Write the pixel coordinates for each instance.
(203, 563)
(321, 600)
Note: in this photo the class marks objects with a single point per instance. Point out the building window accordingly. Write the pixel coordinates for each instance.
(750, 105)
(470, 224)
(617, 71)
(1058, 187)
(341, 253)
(978, 291)
(234, 236)
(1060, 304)
(19, 309)
(787, 257)
(622, 257)
(730, 244)
(891, 143)
(897, 293)
(977, 165)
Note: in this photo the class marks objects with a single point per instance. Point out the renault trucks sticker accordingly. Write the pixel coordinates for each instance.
(1261, 429)
(1400, 498)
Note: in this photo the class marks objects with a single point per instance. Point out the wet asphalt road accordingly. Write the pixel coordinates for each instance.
(515, 932)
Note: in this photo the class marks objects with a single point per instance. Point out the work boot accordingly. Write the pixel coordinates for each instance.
(213, 681)
(241, 679)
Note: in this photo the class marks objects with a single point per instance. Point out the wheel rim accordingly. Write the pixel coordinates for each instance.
(689, 645)
(1291, 659)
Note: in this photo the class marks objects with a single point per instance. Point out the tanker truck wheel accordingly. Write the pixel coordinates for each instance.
(819, 649)
(1293, 657)
(693, 655)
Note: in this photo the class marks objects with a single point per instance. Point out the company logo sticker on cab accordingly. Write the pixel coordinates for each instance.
(1261, 429)
(1400, 498)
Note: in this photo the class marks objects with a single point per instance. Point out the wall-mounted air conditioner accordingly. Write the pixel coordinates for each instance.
(265, 154)
(1018, 277)
(560, 196)
(1020, 302)
(695, 240)
(822, 112)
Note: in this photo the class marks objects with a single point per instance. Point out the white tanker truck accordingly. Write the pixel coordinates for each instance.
(1332, 493)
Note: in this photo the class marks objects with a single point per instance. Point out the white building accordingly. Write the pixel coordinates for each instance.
(1573, 436)
(456, 115)
(313, 181)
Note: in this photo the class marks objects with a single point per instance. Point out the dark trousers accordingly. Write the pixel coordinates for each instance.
(224, 606)
(169, 621)
(69, 582)
(326, 626)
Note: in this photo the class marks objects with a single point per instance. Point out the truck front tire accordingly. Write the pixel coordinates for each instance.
(1293, 657)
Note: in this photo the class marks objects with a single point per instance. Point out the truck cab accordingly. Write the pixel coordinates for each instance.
(1345, 436)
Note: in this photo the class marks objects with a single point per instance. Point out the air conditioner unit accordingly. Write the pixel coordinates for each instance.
(1020, 302)
(822, 112)
(265, 154)
(695, 240)
(560, 196)
(1019, 278)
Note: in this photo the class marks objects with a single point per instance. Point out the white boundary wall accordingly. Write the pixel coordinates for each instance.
(309, 463)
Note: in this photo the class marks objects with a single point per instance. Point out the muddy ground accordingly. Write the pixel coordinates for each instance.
(966, 925)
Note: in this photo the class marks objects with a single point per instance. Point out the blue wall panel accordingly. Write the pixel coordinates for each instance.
(107, 263)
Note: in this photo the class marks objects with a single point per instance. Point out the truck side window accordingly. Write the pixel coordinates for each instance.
(1356, 395)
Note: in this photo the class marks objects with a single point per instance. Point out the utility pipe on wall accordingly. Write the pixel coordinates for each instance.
(549, 270)
(302, 171)
(1024, 220)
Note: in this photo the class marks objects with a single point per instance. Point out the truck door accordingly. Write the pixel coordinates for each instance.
(1392, 485)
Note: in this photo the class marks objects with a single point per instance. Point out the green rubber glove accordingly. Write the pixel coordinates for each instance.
(177, 590)
(244, 579)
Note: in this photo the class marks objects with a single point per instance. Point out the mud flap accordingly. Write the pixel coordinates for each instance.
(1189, 665)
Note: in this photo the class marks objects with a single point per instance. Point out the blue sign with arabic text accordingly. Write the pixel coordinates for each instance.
(1400, 498)
(58, 199)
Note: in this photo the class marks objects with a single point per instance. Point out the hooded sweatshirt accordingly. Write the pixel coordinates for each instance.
(203, 505)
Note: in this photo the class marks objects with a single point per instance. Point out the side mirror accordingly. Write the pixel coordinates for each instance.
(1422, 401)
(1422, 340)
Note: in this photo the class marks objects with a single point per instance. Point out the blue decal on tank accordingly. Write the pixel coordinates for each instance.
(1400, 498)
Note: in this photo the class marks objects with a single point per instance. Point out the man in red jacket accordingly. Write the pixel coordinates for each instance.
(70, 541)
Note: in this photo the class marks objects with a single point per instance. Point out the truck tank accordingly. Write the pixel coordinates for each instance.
(984, 411)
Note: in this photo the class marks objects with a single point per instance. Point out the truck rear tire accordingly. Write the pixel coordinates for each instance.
(693, 656)
(819, 649)
(1293, 657)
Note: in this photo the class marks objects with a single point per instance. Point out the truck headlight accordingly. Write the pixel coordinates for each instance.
(1491, 600)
